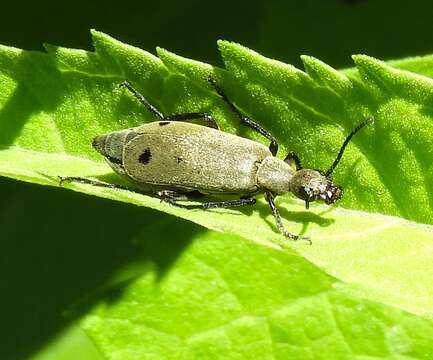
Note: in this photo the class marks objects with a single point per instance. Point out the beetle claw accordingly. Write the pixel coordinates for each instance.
(62, 179)
(297, 237)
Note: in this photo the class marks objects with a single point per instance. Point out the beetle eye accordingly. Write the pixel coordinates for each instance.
(332, 193)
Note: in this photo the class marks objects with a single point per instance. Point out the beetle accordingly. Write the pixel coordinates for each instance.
(185, 156)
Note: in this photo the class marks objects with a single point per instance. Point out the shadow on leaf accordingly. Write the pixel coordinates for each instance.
(50, 259)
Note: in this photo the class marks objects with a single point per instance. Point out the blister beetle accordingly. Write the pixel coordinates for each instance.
(177, 159)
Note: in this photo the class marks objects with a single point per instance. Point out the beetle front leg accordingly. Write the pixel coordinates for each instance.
(273, 147)
(270, 199)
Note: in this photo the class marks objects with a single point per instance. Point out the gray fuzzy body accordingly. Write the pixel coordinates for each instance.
(180, 156)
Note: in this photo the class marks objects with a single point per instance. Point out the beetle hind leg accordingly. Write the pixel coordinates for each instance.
(142, 99)
(273, 146)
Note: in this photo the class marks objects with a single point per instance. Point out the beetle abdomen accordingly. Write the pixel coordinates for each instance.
(111, 146)
(186, 156)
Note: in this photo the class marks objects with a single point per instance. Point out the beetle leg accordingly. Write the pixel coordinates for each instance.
(206, 205)
(171, 195)
(273, 147)
(291, 156)
(142, 99)
(229, 203)
(81, 180)
(270, 199)
(206, 118)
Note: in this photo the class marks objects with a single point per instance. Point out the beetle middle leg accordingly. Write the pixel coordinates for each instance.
(273, 147)
(206, 119)
(291, 156)
(270, 199)
(172, 197)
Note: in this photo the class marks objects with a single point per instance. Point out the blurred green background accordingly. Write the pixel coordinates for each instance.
(45, 262)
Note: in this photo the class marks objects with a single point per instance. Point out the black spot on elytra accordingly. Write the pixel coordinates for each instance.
(179, 159)
(162, 123)
(145, 157)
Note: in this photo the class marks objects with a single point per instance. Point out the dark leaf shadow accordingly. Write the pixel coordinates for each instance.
(43, 94)
(50, 259)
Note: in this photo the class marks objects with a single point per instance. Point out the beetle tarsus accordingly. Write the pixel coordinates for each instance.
(270, 199)
(294, 237)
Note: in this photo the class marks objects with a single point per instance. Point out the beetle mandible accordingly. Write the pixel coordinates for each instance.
(177, 159)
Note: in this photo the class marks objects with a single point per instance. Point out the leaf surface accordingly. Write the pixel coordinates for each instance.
(53, 104)
(227, 298)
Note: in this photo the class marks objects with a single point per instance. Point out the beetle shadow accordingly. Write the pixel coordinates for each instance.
(302, 217)
(114, 179)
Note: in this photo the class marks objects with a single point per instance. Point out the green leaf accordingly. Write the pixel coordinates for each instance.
(72, 344)
(53, 104)
(227, 298)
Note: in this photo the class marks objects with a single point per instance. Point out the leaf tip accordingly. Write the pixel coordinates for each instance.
(49, 48)
(95, 32)
(99, 36)
(224, 45)
(361, 59)
(307, 58)
(310, 63)
(167, 57)
(325, 74)
(161, 52)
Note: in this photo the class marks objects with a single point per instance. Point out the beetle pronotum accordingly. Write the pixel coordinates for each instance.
(177, 160)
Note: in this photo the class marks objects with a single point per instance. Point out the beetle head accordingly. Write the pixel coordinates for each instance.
(310, 185)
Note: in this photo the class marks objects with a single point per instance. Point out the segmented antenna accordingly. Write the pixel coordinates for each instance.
(366, 122)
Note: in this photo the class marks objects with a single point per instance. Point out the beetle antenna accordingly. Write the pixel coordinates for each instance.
(366, 122)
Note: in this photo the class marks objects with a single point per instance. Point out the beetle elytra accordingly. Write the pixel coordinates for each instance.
(177, 159)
